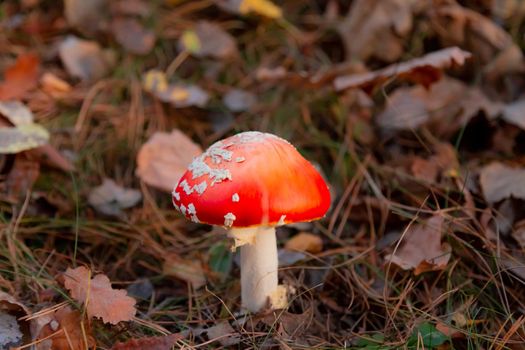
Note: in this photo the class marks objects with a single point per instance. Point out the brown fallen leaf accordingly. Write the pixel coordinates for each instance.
(163, 159)
(85, 15)
(11, 329)
(132, 35)
(491, 45)
(190, 271)
(20, 77)
(515, 264)
(151, 343)
(22, 177)
(71, 332)
(376, 28)
(421, 248)
(423, 70)
(84, 59)
(208, 39)
(264, 8)
(178, 94)
(449, 331)
(138, 8)
(514, 113)
(111, 305)
(518, 233)
(305, 242)
(224, 333)
(405, 109)
(446, 106)
(499, 181)
(110, 198)
(443, 162)
(16, 112)
(237, 100)
(54, 86)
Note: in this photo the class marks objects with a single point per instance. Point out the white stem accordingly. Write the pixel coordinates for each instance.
(258, 266)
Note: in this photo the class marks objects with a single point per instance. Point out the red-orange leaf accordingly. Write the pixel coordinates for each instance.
(20, 77)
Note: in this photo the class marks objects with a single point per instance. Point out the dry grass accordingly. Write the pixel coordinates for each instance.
(343, 294)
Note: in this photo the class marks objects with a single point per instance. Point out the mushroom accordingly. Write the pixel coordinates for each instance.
(250, 183)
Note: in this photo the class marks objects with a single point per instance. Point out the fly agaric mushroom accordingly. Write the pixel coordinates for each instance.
(250, 183)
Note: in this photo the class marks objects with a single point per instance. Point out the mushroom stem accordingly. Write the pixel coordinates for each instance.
(259, 265)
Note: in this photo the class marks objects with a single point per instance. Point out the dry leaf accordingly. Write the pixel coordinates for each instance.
(20, 77)
(22, 176)
(110, 198)
(138, 8)
(84, 59)
(423, 70)
(224, 333)
(288, 257)
(179, 95)
(208, 39)
(10, 311)
(155, 81)
(239, 100)
(499, 181)
(54, 86)
(515, 265)
(21, 138)
(188, 270)
(16, 112)
(85, 15)
(184, 95)
(449, 331)
(132, 35)
(489, 42)
(10, 334)
(444, 162)
(405, 109)
(305, 242)
(66, 323)
(421, 248)
(270, 74)
(149, 343)
(376, 28)
(518, 233)
(163, 159)
(111, 305)
(261, 7)
(514, 113)
(448, 105)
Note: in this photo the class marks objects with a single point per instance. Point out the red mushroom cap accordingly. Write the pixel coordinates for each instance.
(251, 179)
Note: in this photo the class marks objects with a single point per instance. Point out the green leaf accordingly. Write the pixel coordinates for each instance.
(220, 258)
(427, 333)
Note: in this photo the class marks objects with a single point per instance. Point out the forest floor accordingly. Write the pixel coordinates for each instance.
(414, 111)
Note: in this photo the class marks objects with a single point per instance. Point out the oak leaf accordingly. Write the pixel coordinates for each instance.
(100, 300)
(67, 325)
(421, 249)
